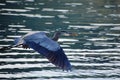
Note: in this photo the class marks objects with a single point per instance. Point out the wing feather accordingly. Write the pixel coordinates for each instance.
(58, 58)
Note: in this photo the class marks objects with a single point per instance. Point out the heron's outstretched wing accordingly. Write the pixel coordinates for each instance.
(48, 48)
(57, 57)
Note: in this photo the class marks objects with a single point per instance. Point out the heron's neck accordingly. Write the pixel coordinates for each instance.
(56, 36)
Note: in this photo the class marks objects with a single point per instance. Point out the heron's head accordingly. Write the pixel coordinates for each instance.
(64, 33)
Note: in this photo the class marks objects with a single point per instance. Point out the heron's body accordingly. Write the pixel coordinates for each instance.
(46, 47)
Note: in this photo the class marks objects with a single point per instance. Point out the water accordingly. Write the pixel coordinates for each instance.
(94, 53)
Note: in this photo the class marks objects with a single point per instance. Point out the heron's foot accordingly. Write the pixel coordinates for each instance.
(25, 46)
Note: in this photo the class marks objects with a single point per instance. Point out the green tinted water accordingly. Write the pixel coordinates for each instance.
(94, 53)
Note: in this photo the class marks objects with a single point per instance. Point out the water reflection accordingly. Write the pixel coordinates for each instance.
(94, 54)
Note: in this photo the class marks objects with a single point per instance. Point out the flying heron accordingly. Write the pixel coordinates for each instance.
(46, 46)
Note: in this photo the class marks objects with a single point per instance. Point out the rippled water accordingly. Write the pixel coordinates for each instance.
(94, 54)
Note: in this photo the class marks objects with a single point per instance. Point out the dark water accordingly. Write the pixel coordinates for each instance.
(94, 54)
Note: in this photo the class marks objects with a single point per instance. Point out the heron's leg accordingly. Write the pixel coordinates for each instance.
(25, 46)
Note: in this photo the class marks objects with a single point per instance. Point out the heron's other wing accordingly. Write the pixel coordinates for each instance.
(34, 36)
(20, 40)
(41, 39)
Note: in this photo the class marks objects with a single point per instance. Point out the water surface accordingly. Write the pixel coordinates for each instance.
(94, 53)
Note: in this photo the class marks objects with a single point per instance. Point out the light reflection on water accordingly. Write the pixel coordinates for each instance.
(94, 54)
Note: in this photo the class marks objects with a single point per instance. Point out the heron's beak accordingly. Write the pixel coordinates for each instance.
(73, 34)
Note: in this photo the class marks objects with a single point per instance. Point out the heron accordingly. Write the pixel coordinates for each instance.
(47, 47)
